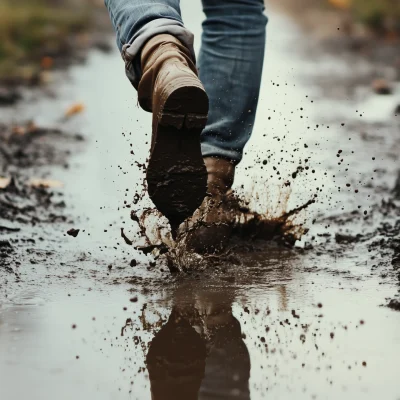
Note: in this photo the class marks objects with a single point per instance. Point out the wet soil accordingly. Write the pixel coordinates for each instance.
(28, 203)
(93, 315)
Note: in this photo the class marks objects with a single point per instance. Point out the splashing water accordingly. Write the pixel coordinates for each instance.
(259, 214)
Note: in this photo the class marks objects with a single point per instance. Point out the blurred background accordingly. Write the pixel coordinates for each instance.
(39, 35)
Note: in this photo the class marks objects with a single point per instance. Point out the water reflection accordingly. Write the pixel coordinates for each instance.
(199, 353)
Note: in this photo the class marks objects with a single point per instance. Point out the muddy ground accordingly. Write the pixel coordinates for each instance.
(83, 314)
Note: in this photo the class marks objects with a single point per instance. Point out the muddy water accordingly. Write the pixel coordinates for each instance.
(278, 327)
(272, 322)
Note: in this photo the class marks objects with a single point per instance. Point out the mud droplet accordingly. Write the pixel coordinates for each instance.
(126, 239)
(73, 232)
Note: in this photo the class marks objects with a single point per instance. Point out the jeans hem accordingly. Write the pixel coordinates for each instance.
(208, 150)
(132, 50)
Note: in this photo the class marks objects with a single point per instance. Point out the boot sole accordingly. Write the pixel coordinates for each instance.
(176, 174)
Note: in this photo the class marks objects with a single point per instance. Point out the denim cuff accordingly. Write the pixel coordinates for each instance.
(210, 150)
(132, 50)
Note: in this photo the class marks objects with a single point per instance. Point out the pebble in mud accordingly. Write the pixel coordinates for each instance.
(382, 86)
(73, 232)
(394, 304)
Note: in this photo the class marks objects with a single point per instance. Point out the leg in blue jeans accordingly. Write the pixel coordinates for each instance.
(230, 62)
(230, 67)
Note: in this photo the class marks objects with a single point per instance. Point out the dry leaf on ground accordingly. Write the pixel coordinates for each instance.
(344, 4)
(29, 127)
(47, 62)
(46, 183)
(76, 108)
(4, 182)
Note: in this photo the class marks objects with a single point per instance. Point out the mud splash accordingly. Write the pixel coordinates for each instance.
(274, 224)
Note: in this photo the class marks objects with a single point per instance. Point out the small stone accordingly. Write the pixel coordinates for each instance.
(8, 97)
(394, 304)
(73, 232)
(381, 86)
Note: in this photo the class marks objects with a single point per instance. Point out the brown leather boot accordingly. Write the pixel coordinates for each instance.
(220, 175)
(210, 228)
(172, 91)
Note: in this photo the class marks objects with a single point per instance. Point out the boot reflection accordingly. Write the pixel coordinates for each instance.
(227, 369)
(199, 353)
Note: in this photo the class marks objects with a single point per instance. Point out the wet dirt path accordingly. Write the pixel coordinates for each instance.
(85, 321)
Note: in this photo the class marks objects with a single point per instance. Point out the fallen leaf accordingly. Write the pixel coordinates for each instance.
(46, 183)
(4, 182)
(47, 62)
(75, 109)
(344, 4)
(18, 130)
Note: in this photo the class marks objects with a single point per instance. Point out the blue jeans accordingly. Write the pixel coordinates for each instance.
(230, 61)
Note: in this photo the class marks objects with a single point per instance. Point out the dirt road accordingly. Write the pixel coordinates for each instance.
(91, 317)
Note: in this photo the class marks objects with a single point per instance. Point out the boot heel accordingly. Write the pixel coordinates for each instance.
(179, 121)
(172, 119)
(196, 121)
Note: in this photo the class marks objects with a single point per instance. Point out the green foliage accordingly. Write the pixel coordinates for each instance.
(375, 13)
(29, 29)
